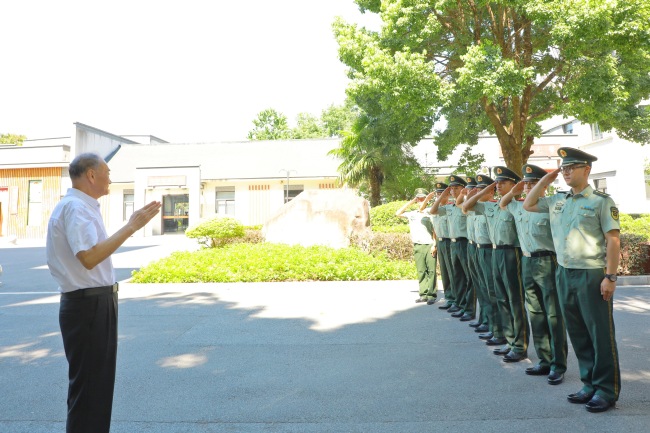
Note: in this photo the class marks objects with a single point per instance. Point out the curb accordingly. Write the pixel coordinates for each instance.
(633, 280)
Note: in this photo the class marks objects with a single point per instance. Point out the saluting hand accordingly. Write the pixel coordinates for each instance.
(518, 188)
(550, 177)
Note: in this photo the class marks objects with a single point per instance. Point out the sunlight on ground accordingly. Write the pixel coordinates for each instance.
(188, 360)
(22, 353)
(637, 376)
(631, 305)
(379, 300)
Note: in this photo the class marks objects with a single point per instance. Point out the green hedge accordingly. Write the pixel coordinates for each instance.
(242, 262)
(384, 215)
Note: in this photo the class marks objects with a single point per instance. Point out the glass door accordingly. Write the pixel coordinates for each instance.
(174, 215)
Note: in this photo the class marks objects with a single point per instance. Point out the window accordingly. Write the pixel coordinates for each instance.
(294, 190)
(35, 210)
(128, 204)
(225, 200)
(567, 128)
(601, 184)
(596, 134)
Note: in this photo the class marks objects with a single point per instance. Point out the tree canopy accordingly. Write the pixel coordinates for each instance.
(502, 67)
(12, 139)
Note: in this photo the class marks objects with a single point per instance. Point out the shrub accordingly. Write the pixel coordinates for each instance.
(241, 262)
(384, 215)
(397, 246)
(638, 225)
(391, 229)
(216, 232)
(635, 255)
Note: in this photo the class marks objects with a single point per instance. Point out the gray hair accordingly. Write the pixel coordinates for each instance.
(82, 163)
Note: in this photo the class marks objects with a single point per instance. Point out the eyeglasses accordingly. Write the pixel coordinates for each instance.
(569, 169)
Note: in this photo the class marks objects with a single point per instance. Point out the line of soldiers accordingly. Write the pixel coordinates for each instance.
(548, 259)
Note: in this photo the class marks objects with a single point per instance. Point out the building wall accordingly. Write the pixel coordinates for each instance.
(23, 219)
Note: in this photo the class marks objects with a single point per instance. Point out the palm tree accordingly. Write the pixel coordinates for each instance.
(368, 153)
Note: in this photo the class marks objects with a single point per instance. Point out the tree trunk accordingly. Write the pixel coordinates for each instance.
(375, 187)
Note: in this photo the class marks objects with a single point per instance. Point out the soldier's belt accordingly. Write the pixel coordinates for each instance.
(540, 254)
(458, 239)
(503, 247)
(483, 245)
(443, 239)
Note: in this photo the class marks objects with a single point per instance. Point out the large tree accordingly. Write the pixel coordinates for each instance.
(270, 125)
(502, 66)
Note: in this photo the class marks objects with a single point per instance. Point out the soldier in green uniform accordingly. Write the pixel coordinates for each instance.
(441, 229)
(506, 265)
(458, 233)
(585, 228)
(423, 236)
(494, 336)
(477, 288)
(538, 273)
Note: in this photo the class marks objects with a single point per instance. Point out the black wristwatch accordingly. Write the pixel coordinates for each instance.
(611, 277)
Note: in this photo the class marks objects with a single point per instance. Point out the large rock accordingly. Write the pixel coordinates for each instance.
(319, 217)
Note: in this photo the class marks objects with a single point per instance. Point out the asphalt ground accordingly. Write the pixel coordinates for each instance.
(295, 357)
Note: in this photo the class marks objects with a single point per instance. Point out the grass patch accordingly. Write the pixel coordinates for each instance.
(266, 262)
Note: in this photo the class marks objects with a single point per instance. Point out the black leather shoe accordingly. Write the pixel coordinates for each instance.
(514, 357)
(445, 306)
(482, 328)
(458, 313)
(579, 397)
(496, 342)
(598, 404)
(466, 317)
(418, 300)
(538, 370)
(453, 309)
(502, 351)
(555, 378)
(432, 301)
(475, 324)
(486, 336)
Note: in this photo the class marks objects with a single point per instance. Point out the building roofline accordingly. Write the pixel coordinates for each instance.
(102, 132)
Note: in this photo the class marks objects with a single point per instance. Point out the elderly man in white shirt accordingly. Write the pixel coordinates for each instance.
(79, 257)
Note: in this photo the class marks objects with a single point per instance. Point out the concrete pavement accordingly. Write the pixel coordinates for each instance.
(298, 357)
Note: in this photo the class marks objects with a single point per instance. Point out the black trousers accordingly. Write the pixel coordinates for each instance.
(89, 330)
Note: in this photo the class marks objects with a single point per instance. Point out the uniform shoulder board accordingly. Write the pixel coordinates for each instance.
(600, 193)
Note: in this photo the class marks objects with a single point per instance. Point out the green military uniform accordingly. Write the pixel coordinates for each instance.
(441, 228)
(458, 233)
(484, 259)
(579, 223)
(421, 229)
(506, 269)
(538, 273)
(474, 291)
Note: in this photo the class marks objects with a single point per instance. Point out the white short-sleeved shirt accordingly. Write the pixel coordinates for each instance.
(420, 226)
(76, 225)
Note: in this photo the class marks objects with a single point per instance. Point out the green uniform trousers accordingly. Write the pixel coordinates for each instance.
(547, 325)
(506, 268)
(461, 278)
(444, 257)
(590, 323)
(425, 264)
(484, 260)
(473, 288)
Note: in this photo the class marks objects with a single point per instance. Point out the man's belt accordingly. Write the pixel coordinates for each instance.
(540, 254)
(471, 242)
(458, 239)
(93, 291)
(443, 239)
(503, 247)
(483, 245)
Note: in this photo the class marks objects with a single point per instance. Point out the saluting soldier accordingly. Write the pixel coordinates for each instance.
(458, 233)
(538, 273)
(441, 229)
(585, 228)
(476, 289)
(506, 265)
(422, 235)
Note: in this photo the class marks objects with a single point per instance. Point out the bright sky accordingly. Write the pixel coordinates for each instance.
(191, 70)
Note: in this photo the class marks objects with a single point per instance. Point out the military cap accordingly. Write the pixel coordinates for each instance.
(533, 172)
(471, 182)
(421, 192)
(504, 173)
(441, 186)
(572, 156)
(456, 181)
(482, 181)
